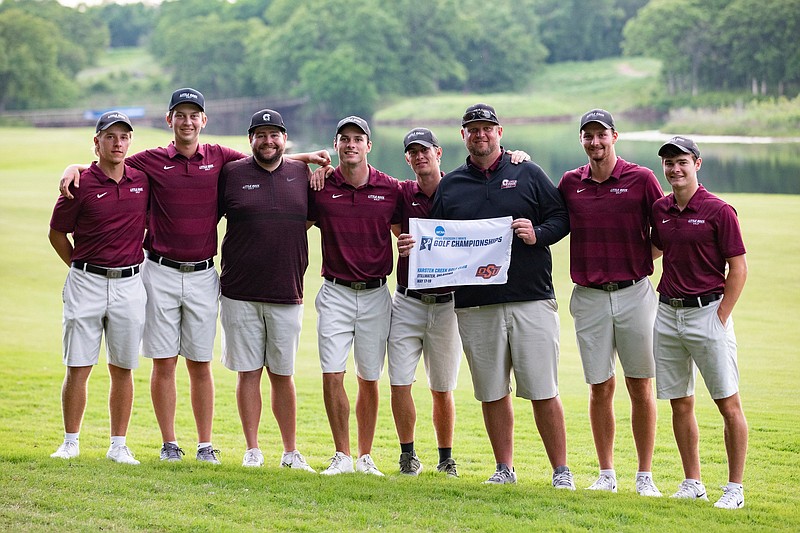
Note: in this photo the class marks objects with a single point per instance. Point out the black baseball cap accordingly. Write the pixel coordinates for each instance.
(684, 144)
(601, 116)
(422, 136)
(477, 112)
(109, 118)
(187, 95)
(266, 117)
(357, 121)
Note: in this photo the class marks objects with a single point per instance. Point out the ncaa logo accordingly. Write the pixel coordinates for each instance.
(439, 231)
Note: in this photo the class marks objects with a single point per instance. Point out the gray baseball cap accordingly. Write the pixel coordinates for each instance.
(356, 121)
(109, 118)
(684, 144)
(601, 116)
(422, 136)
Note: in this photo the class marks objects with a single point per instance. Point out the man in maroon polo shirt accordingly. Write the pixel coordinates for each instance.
(354, 212)
(182, 285)
(613, 302)
(704, 273)
(103, 292)
(264, 257)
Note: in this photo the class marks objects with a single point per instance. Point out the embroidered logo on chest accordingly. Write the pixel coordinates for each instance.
(696, 221)
(251, 187)
(508, 184)
(137, 190)
(206, 167)
(376, 197)
(618, 191)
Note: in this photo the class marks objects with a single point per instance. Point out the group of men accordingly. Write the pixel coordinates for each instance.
(619, 219)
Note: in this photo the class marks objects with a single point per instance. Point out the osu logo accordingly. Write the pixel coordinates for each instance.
(488, 271)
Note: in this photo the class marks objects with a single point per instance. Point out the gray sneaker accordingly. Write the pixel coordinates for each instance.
(409, 464)
(502, 476)
(562, 478)
(171, 452)
(208, 455)
(448, 466)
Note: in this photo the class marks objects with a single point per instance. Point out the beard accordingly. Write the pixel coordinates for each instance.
(268, 160)
(476, 151)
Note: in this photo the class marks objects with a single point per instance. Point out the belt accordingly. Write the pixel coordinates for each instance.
(358, 285)
(695, 301)
(183, 267)
(426, 298)
(112, 273)
(612, 286)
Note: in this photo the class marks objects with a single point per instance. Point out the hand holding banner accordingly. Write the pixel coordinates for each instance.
(448, 253)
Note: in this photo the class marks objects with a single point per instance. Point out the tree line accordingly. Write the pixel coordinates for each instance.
(344, 56)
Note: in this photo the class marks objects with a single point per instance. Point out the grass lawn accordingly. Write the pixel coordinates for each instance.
(91, 493)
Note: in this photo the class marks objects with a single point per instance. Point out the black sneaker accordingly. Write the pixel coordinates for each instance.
(448, 466)
(171, 452)
(208, 455)
(409, 464)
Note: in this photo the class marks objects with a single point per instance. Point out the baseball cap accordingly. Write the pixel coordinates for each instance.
(477, 112)
(266, 117)
(601, 116)
(109, 118)
(422, 136)
(684, 144)
(187, 95)
(357, 121)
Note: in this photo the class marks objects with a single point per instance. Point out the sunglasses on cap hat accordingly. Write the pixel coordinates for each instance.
(479, 114)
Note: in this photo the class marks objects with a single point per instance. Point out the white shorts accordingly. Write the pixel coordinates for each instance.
(518, 335)
(691, 338)
(181, 314)
(614, 323)
(430, 329)
(257, 335)
(347, 317)
(94, 304)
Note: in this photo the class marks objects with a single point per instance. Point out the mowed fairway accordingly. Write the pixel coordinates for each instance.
(91, 493)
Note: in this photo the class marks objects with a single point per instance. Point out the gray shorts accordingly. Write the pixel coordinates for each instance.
(522, 336)
(611, 324)
(95, 304)
(424, 329)
(182, 310)
(257, 335)
(691, 338)
(347, 317)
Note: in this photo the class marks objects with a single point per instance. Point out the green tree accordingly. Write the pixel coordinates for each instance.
(128, 24)
(30, 75)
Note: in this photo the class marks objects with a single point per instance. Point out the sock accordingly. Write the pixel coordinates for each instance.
(71, 437)
(201, 445)
(503, 466)
(735, 486)
(648, 474)
(117, 440)
(407, 447)
(560, 469)
(445, 454)
(608, 472)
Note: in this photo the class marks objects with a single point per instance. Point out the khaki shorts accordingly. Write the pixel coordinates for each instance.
(691, 338)
(430, 329)
(347, 317)
(95, 304)
(181, 312)
(614, 323)
(257, 335)
(522, 336)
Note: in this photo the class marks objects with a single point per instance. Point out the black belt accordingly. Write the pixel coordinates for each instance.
(358, 285)
(183, 267)
(112, 273)
(695, 301)
(424, 297)
(612, 286)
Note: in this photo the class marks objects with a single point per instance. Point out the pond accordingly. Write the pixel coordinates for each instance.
(747, 165)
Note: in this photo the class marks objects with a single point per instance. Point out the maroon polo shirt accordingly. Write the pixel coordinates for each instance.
(610, 223)
(265, 248)
(356, 225)
(696, 243)
(183, 208)
(414, 203)
(106, 218)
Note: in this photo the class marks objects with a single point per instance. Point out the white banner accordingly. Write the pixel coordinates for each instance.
(459, 252)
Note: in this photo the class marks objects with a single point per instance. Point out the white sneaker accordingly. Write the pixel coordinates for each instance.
(562, 478)
(295, 460)
(646, 487)
(68, 450)
(732, 498)
(691, 490)
(604, 482)
(253, 458)
(340, 464)
(365, 465)
(121, 454)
